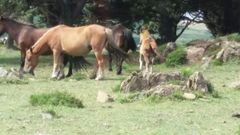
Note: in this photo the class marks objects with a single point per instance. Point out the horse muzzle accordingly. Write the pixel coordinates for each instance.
(28, 70)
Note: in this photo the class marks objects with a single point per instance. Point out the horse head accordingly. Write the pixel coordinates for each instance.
(31, 61)
(2, 28)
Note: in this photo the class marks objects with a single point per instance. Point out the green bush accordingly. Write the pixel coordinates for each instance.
(177, 57)
(234, 37)
(128, 98)
(217, 62)
(154, 99)
(55, 99)
(177, 95)
(186, 72)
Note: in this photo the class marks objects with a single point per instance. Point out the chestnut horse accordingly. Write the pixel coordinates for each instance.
(75, 41)
(25, 36)
(124, 40)
(148, 48)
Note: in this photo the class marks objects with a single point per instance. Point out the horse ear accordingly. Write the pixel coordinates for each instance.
(31, 50)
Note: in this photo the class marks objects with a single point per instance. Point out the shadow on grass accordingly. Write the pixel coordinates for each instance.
(10, 61)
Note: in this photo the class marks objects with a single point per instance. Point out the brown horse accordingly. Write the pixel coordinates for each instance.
(25, 36)
(124, 40)
(148, 48)
(75, 41)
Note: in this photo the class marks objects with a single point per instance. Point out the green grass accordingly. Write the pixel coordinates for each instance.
(55, 99)
(177, 57)
(217, 62)
(233, 37)
(195, 31)
(206, 116)
(8, 81)
(187, 72)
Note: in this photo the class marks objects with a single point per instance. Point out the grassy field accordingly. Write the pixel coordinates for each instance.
(205, 116)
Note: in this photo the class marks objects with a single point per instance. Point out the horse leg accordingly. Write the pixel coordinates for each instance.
(100, 73)
(110, 61)
(56, 66)
(61, 68)
(68, 59)
(119, 66)
(23, 54)
(141, 61)
(147, 62)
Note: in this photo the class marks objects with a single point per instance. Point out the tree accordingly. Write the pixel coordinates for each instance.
(60, 11)
(221, 16)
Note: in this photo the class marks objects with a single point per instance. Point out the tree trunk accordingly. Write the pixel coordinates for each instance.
(168, 30)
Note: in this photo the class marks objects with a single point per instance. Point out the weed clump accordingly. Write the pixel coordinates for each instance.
(233, 37)
(55, 99)
(217, 62)
(177, 57)
(186, 72)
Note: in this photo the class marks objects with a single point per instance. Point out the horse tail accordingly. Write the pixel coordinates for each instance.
(129, 40)
(112, 47)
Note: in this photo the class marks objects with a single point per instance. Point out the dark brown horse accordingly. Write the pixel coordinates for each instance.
(25, 36)
(124, 40)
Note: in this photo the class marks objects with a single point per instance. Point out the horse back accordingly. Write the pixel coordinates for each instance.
(76, 41)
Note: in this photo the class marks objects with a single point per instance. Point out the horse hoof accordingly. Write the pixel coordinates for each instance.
(119, 73)
(60, 77)
(98, 78)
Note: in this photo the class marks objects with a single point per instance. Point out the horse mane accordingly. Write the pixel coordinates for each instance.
(17, 22)
(129, 41)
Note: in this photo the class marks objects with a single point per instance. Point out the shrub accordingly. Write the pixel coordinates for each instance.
(217, 62)
(186, 72)
(128, 98)
(154, 99)
(234, 37)
(55, 99)
(210, 87)
(178, 94)
(215, 94)
(177, 57)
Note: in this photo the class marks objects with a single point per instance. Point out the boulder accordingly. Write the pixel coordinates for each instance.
(205, 62)
(12, 73)
(103, 97)
(200, 43)
(189, 96)
(162, 90)
(235, 85)
(138, 81)
(229, 50)
(197, 82)
(194, 54)
(3, 72)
